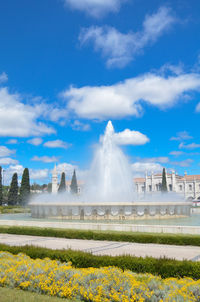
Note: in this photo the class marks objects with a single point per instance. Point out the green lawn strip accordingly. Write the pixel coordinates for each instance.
(17, 295)
(157, 238)
(163, 267)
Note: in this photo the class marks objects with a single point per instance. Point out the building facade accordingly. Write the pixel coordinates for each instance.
(188, 186)
(54, 180)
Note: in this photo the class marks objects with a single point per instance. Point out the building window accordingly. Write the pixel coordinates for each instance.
(142, 188)
(170, 187)
(180, 188)
(190, 187)
(150, 188)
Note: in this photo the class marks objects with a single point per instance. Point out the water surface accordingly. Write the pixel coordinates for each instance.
(193, 220)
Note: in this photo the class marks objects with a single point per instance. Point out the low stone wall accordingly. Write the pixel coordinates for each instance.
(195, 230)
(111, 211)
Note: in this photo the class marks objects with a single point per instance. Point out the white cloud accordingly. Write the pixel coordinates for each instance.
(57, 144)
(8, 173)
(118, 48)
(95, 8)
(36, 175)
(198, 108)
(36, 141)
(45, 159)
(189, 146)
(183, 163)
(82, 175)
(174, 69)
(4, 151)
(125, 98)
(3, 77)
(160, 159)
(42, 174)
(139, 168)
(12, 141)
(56, 114)
(67, 168)
(19, 119)
(176, 153)
(181, 136)
(8, 161)
(130, 137)
(79, 126)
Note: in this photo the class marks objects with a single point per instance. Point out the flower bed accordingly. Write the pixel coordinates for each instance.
(91, 284)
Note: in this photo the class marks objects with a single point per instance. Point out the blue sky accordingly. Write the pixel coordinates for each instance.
(67, 67)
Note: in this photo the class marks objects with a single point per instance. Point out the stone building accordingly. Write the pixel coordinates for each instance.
(54, 180)
(187, 186)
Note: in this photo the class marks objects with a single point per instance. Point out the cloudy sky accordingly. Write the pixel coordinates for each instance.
(69, 66)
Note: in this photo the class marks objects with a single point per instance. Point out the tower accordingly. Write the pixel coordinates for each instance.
(54, 181)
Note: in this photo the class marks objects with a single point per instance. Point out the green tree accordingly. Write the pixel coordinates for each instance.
(164, 181)
(74, 185)
(1, 187)
(13, 191)
(62, 187)
(49, 187)
(25, 187)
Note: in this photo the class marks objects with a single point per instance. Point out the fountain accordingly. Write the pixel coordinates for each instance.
(109, 192)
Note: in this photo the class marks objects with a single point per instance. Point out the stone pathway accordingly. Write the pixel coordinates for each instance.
(106, 247)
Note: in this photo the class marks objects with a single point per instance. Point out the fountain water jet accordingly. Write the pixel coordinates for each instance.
(110, 176)
(109, 192)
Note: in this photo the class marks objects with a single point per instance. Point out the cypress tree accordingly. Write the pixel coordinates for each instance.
(164, 181)
(13, 191)
(74, 185)
(1, 187)
(25, 187)
(49, 187)
(62, 187)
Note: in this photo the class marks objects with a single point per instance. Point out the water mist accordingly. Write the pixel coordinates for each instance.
(110, 177)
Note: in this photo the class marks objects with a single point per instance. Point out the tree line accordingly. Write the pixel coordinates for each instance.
(16, 195)
(73, 185)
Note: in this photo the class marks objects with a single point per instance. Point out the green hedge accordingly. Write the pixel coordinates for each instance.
(158, 238)
(13, 209)
(163, 267)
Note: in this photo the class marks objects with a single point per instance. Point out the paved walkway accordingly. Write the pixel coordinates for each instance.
(106, 247)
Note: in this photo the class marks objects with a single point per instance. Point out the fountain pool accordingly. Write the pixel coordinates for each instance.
(109, 193)
(192, 220)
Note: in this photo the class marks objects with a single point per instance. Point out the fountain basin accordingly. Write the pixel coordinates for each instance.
(111, 211)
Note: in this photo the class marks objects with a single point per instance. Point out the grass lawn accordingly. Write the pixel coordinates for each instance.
(17, 295)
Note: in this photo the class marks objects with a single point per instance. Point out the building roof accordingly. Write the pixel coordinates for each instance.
(178, 177)
(79, 182)
(191, 177)
(139, 179)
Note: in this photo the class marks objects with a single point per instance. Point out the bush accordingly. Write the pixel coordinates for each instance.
(163, 267)
(13, 209)
(157, 238)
